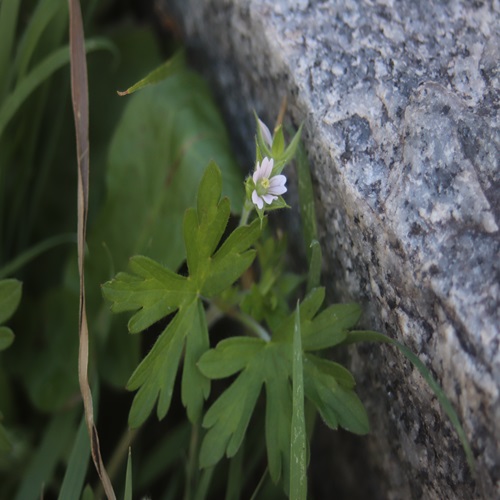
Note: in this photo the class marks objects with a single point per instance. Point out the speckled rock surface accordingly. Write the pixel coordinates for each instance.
(400, 104)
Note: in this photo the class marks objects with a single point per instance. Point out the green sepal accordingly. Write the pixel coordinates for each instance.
(288, 154)
(278, 147)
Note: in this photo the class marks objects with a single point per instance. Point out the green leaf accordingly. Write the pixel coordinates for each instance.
(41, 17)
(38, 75)
(8, 22)
(167, 69)
(308, 308)
(288, 154)
(159, 292)
(298, 450)
(10, 296)
(195, 387)
(228, 418)
(155, 376)
(27, 256)
(329, 327)
(306, 200)
(278, 142)
(6, 337)
(59, 432)
(156, 291)
(315, 260)
(336, 404)
(76, 471)
(128, 478)
(370, 336)
(229, 357)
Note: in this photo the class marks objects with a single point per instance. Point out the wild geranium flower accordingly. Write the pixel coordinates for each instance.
(267, 188)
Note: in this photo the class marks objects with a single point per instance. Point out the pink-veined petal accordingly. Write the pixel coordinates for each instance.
(269, 198)
(257, 175)
(257, 200)
(277, 185)
(267, 167)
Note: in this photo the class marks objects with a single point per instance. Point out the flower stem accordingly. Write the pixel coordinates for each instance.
(247, 210)
(243, 318)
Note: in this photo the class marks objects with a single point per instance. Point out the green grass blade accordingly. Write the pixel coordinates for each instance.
(38, 75)
(314, 273)
(298, 449)
(164, 456)
(306, 199)
(128, 478)
(21, 260)
(157, 75)
(9, 10)
(370, 336)
(77, 466)
(40, 471)
(40, 18)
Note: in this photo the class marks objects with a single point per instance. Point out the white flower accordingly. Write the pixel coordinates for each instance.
(266, 133)
(267, 188)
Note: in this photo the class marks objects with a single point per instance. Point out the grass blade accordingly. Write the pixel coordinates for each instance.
(80, 98)
(40, 18)
(157, 75)
(77, 466)
(38, 75)
(306, 199)
(370, 336)
(298, 459)
(58, 433)
(9, 10)
(128, 478)
(21, 260)
(314, 273)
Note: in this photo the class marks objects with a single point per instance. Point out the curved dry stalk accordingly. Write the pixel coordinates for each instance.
(79, 93)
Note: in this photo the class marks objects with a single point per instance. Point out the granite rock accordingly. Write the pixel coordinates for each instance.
(399, 101)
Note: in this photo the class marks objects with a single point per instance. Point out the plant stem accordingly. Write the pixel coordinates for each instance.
(192, 460)
(247, 210)
(243, 318)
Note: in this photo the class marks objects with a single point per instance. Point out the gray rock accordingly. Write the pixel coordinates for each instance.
(399, 101)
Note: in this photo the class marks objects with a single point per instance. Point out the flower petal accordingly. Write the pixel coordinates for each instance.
(277, 185)
(266, 133)
(257, 175)
(257, 200)
(267, 167)
(269, 198)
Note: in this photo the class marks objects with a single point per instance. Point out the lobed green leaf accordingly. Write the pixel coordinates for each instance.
(154, 290)
(228, 418)
(330, 326)
(230, 356)
(195, 386)
(155, 375)
(336, 404)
